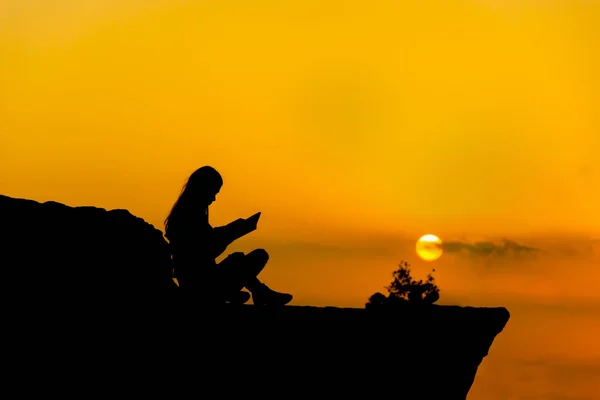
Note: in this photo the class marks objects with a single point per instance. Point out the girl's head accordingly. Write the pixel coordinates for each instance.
(202, 186)
(198, 193)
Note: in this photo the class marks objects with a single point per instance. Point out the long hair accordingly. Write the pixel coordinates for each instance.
(192, 201)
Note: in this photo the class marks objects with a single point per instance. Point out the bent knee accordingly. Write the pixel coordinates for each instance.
(259, 255)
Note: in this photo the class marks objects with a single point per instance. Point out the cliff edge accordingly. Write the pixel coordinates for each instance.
(425, 352)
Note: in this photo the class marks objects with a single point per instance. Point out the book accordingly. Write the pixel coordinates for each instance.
(253, 220)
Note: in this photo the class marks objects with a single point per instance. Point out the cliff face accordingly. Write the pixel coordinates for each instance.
(428, 352)
(49, 251)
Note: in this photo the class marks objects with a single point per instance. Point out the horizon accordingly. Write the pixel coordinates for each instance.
(355, 129)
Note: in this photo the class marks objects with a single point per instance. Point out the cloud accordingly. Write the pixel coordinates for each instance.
(314, 249)
(482, 249)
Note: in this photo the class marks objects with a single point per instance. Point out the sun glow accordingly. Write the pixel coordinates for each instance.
(429, 247)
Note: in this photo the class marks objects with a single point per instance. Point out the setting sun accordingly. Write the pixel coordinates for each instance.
(429, 247)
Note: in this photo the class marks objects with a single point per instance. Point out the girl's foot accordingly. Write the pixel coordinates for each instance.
(264, 296)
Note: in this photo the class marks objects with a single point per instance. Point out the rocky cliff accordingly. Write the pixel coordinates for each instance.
(49, 250)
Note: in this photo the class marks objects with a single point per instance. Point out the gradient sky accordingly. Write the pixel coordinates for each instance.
(355, 127)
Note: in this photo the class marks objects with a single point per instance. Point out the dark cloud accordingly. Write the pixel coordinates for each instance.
(507, 248)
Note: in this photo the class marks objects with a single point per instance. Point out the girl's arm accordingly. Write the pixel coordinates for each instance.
(225, 235)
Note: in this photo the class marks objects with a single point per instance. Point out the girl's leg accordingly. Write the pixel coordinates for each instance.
(261, 293)
(254, 263)
(240, 270)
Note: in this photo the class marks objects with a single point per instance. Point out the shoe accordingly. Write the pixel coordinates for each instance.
(239, 298)
(264, 296)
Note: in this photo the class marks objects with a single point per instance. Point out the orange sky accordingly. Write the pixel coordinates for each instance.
(355, 127)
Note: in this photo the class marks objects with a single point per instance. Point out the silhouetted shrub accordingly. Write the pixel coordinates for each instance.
(405, 290)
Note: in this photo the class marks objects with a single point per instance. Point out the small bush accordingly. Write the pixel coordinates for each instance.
(405, 290)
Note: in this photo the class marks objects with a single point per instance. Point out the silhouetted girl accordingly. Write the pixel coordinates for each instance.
(195, 245)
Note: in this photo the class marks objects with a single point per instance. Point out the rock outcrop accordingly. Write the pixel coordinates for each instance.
(49, 250)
